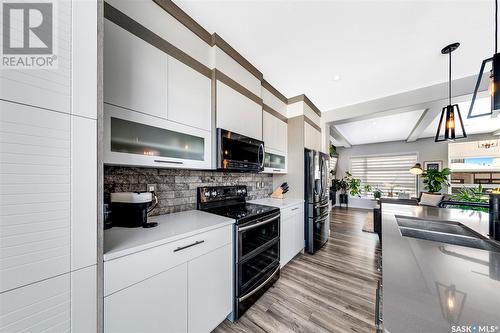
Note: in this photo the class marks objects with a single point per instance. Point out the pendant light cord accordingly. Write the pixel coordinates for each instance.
(449, 82)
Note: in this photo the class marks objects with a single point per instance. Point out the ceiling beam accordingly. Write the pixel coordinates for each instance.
(337, 136)
(423, 122)
(411, 99)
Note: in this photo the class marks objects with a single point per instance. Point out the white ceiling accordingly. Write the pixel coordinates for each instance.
(396, 127)
(472, 126)
(378, 48)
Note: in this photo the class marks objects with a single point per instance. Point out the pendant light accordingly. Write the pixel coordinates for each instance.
(494, 78)
(447, 131)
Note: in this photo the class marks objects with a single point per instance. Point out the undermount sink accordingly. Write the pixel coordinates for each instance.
(445, 232)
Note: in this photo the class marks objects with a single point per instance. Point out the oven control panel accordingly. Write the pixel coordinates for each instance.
(217, 193)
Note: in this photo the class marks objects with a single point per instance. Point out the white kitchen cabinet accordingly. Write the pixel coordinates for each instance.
(274, 132)
(35, 159)
(135, 72)
(84, 58)
(83, 192)
(83, 300)
(48, 88)
(209, 299)
(133, 138)
(182, 286)
(312, 137)
(292, 233)
(238, 113)
(37, 307)
(275, 161)
(298, 222)
(157, 304)
(189, 96)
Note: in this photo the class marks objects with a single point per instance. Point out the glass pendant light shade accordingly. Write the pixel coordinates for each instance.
(494, 92)
(493, 85)
(447, 130)
(450, 115)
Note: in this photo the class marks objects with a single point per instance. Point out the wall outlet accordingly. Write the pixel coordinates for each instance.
(151, 188)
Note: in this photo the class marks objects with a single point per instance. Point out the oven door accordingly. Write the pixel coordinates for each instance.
(238, 152)
(253, 269)
(253, 236)
(258, 251)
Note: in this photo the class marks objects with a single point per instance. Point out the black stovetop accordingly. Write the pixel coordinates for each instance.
(243, 212)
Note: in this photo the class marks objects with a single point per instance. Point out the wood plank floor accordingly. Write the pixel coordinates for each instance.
(330, 291)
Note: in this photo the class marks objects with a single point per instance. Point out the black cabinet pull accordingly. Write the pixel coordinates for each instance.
(187, 246)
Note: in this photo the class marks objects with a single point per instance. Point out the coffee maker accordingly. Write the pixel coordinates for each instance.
(130, 209)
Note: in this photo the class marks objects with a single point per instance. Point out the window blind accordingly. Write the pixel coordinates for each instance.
(385, 172)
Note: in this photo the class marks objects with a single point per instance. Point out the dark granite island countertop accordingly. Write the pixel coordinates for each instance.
(437, 287)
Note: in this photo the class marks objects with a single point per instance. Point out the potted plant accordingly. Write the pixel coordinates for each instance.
(377, 193)
(354, 187)
(333, 150)
(343, 187)
(434, 179)
(367, 188)
(471, 194)
(333, 189)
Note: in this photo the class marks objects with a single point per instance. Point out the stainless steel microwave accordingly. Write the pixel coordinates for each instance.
(236, 152)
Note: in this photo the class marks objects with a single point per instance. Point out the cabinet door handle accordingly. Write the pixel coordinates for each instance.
(171, 162)
(276, 170)
(295, 208)
(180, 248)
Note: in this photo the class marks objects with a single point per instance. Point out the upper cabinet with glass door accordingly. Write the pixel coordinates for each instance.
(157, 109)
(275, 134)
(132, 138)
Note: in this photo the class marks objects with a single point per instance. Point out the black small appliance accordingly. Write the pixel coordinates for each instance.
(256, 241)
(130, 209)
(236, 152)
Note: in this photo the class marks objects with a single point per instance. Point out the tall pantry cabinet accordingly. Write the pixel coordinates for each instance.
(48, 184)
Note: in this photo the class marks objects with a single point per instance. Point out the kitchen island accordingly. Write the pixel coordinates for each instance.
(430, 286)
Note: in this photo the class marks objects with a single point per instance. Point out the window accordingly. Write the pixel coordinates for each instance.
(390, 173)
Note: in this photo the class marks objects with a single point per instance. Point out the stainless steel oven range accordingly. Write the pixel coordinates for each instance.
(256, 239)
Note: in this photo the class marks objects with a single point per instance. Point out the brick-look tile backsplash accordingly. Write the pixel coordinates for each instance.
(176, 189)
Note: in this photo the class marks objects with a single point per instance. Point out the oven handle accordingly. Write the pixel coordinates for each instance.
(259, 224)
(260, 286)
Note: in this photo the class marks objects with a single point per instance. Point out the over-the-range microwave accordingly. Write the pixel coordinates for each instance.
(236, 152)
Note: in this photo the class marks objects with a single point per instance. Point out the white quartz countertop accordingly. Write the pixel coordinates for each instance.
(279, 203)
(431, 286)
(120, 241)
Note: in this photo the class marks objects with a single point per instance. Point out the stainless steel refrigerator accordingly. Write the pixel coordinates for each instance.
(316, 194)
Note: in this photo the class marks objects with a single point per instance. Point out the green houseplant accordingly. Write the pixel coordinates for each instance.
(333, 150)
(343, 187)
(367, 188)
(434, 179)
(377, 193)
(471, 194)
